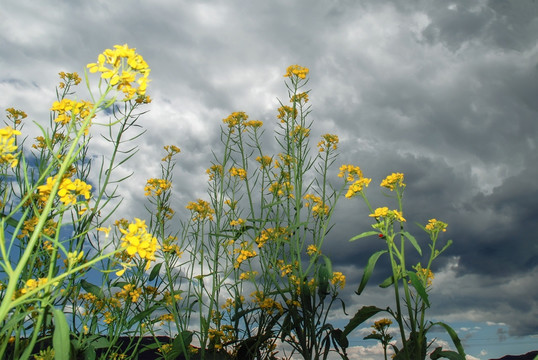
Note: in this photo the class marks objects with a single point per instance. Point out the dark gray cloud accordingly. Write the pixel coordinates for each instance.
(445, 92)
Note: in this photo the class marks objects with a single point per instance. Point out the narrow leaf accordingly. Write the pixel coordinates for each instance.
(364, 234)
(361, 316)
(92, 289)
(369, 269)
(388, 282)
(139, 317)
(453, 336)
(155, 271)
(413, 241)
(60, 338)
(417, 284)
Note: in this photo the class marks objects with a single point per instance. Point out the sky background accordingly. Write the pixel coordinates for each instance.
(444, 91)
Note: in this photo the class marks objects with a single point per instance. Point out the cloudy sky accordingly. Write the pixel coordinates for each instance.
(444, 91)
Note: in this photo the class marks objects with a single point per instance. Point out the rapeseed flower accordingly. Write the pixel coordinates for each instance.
(296, 70)
(318, 207)
(394, 179)
(155, 187)
(328, 142)
(124, 69)
(8, 146)
(137, 240)
(338, 279)
(200, 210)
(241, 173)
(435, 225)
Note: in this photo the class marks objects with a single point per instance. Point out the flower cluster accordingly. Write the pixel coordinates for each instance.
(16, 116)
(319, 208)
(8, 146)
(68, 191)
(394, 179)
(380, 325)
(214, 170)
(266, 303)
(327, 142)
(241, 173)
(245, 252)
(265, 161)
(285, 112)
(353, 174)
(127, 69)
(435, 226)
(296, 70)
(67, 109)
(68, 78)
(426, 275)
(280, 233)
(137, 240)
(171, 150)
(155, 187)
(201, 210)
(312, 250)
(235, 119)
(338, 279)
(301, 97)
(384, 212)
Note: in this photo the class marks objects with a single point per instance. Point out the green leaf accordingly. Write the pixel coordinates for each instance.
(387, 282)
(92, 289)
(374, 337)
(413, 241)
(364, 234)
(417, 284)
(369, 269)
(451, 355)
(182, 341)
(453, 336)
(448, 243)
(340, 338)
(139, 317)
(361, 316)
(155, 271)
(60, 338)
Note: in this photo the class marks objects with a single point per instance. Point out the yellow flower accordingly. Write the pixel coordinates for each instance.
(15, 115)
(338, 279)
(68, 190)
(296, 70)
(284, 112)
(394, 179)
(171, 150)
(245, 252)
(237, 222)
(301, 97)
(155, 187)
(380, 212)
(214, 170)
(435, 225)
(241, 173)
(200, 210)
(127, 70)
(319, 208)
(380, 325)
(357, 187)
(137, 240)
(312, 249)
(264, 161)
(328, 142)
(235, 119)
(8, 146)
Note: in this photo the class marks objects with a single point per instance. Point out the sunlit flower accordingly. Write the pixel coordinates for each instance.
(237, 222)
(301, 97)
(380, 325)
(214, 170)
(137, 240)
(124, 69)
(8, 146)
(264, 161)
(394, 179)
(284, 112)
(244, 252)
